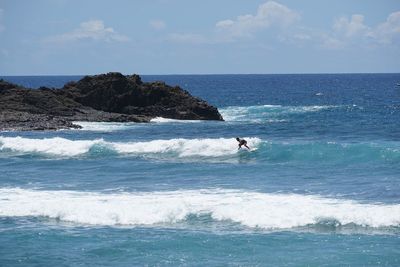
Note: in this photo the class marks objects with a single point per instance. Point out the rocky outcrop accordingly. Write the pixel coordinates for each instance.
(106, 97)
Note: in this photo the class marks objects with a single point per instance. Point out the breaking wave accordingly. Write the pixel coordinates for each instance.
(58, 146)
(249, 209)
(217, 148)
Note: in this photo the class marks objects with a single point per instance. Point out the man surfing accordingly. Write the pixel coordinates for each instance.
(242, 142)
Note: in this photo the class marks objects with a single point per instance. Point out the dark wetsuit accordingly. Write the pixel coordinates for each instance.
(242, 142)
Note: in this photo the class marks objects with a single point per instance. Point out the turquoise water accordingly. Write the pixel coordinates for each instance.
(320, 188)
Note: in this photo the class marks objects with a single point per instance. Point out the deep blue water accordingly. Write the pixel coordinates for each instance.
(321, 186)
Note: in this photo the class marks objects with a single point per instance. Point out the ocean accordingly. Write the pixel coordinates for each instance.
(320, 186)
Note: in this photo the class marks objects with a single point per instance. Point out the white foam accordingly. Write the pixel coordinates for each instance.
(104, 126)
(266, 113)
(178, 147)
(166, 120)
(252, 209)
(53, 146)
(302, 109)
(186, 147)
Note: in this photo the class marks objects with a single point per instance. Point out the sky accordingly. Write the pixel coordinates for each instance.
(76, 37)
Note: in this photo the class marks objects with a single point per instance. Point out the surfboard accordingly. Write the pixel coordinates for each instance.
(248, 150)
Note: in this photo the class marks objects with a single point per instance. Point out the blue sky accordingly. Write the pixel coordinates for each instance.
(51, 37)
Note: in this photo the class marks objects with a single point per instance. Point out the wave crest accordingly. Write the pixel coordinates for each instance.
(52, 146)
(58, 146)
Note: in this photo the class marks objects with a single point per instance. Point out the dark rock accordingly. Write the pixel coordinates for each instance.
(106, 97)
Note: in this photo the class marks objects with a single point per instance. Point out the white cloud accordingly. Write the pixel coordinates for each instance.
(389, 31)
(281, 22)
(225, 23)
(92, 29)
(353, 32)
(158, 24)
(268, 14)
(345, 32)
(2, 27)
(350, 28)
(331, 43)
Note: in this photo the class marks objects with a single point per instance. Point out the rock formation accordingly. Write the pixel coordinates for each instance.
(109, 97)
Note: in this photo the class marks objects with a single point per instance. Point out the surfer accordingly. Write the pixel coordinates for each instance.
(242, 142)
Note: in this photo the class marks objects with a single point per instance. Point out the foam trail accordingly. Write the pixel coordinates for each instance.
(166, 120)
(104, 126)
(251, 209)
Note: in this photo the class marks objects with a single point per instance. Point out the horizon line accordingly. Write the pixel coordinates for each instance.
(202, 74)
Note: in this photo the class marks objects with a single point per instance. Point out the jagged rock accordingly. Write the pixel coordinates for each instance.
(105, 97)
